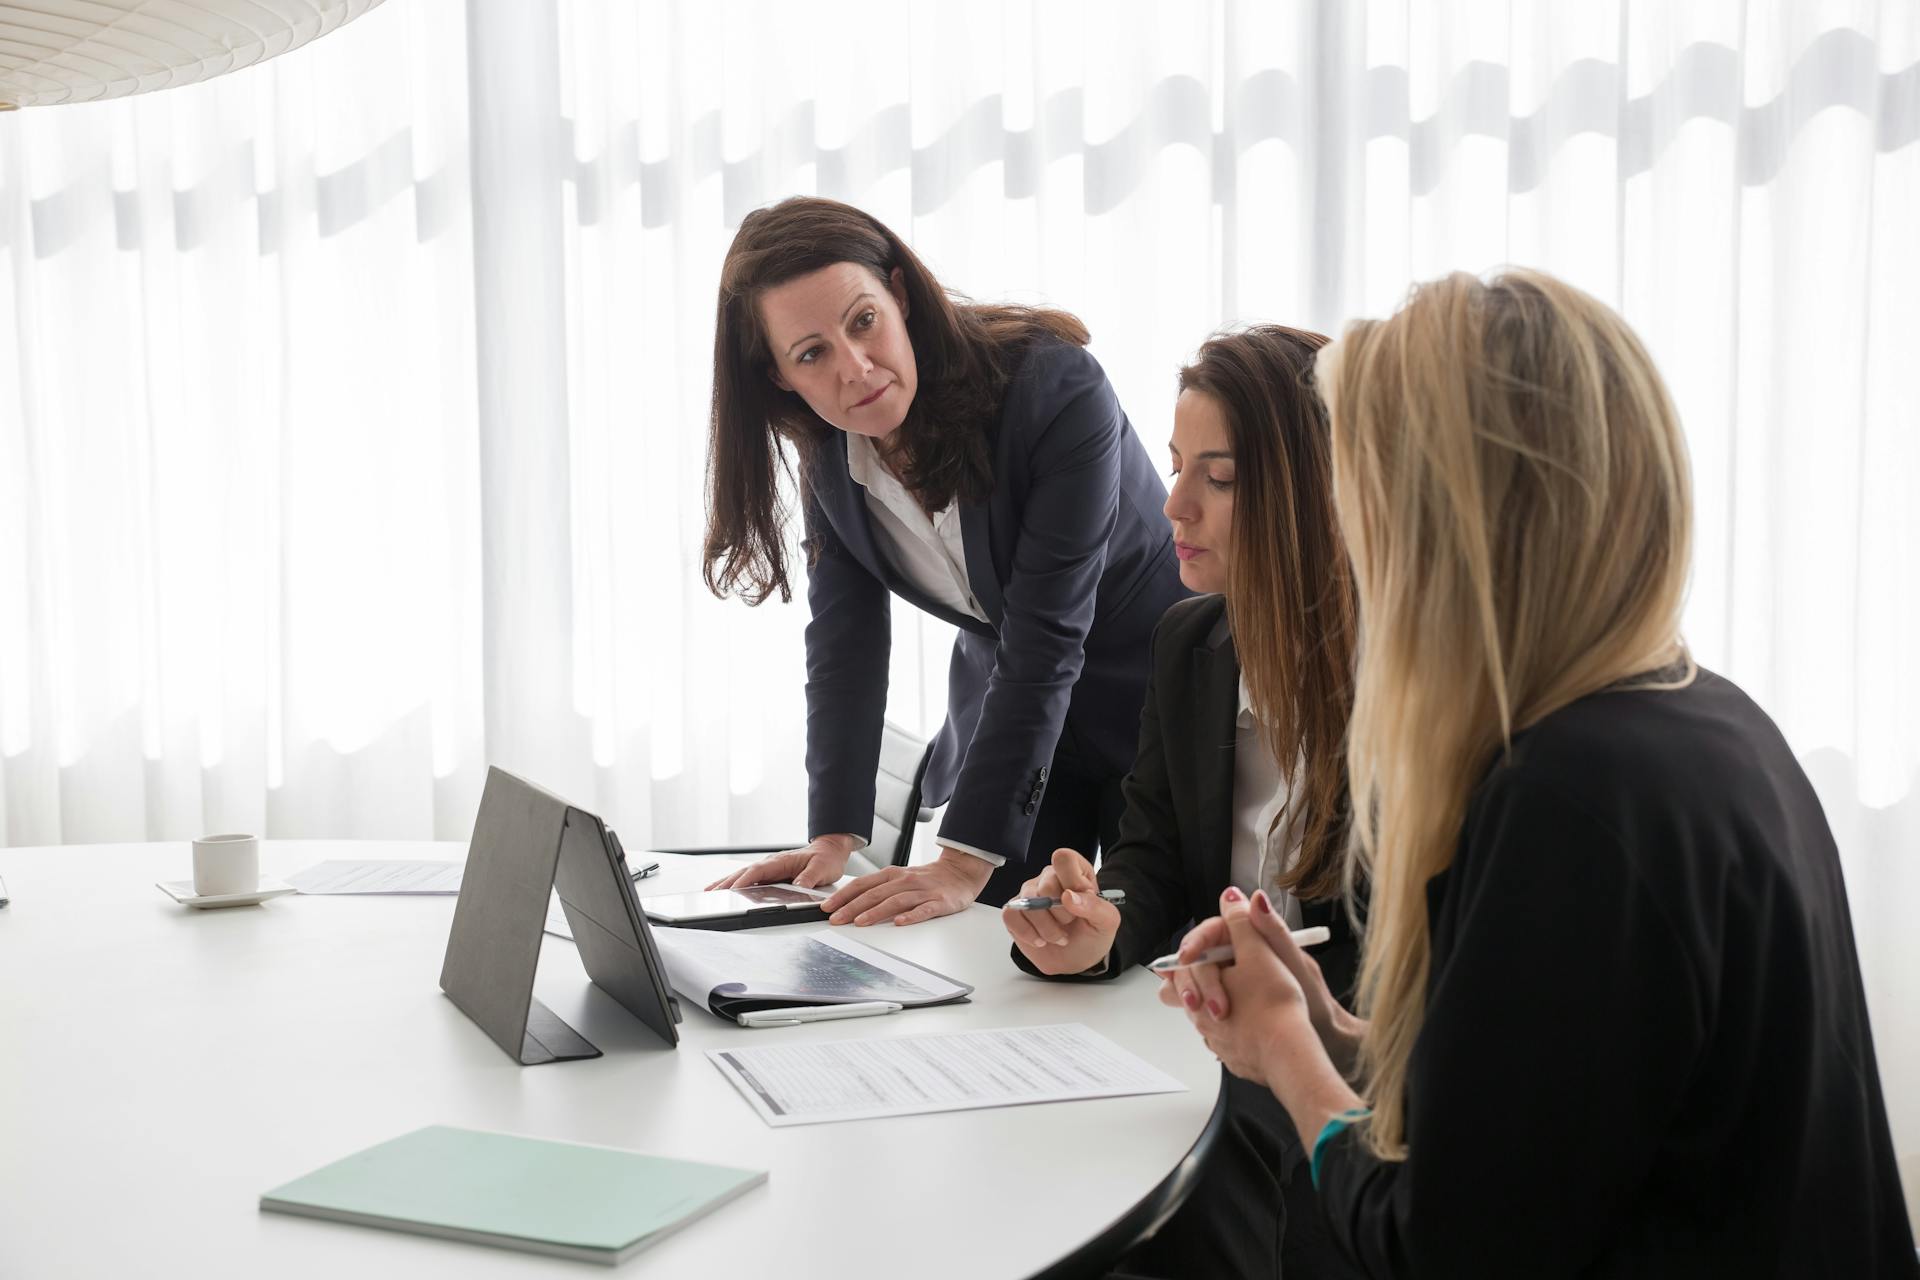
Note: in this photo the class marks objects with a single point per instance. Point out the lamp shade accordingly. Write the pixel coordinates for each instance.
(54, 51)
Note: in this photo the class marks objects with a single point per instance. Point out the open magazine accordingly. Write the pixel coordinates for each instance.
(734, 973)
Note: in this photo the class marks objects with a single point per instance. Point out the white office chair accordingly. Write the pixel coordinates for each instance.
(897, 811)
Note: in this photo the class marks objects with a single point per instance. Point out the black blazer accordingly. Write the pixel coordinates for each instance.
(1175, 849)
(1072, 561)
(1646, 1050)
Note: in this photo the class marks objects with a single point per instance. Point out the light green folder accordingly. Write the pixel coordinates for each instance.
(594, 1204)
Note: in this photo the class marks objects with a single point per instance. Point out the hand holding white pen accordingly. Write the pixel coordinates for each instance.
(1076, 931)
(1195, 979)
(1309, 937)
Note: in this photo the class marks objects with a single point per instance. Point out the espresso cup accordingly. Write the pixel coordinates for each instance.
(225, 864)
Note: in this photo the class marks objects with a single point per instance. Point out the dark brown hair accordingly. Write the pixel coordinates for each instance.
(964, 352)
(1290, 597)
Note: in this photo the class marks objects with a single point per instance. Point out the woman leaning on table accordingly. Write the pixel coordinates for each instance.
(973, 461)
(1615, 1023)
(1255, 672)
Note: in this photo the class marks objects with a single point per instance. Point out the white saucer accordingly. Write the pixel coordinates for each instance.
(181, 891)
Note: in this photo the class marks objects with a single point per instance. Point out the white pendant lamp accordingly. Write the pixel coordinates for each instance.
(54, 51)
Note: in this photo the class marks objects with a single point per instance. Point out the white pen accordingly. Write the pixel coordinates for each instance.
(1223, 956)
(1043, 903)
(817, 1013)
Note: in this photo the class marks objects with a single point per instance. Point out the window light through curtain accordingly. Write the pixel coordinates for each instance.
(355, 433)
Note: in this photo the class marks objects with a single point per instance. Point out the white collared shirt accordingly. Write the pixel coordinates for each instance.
(1263, 848)
(927, 551)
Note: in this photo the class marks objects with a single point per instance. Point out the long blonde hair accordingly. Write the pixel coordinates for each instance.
(1513, 489)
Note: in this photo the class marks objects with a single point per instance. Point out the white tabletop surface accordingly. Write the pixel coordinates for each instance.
(160, 1067)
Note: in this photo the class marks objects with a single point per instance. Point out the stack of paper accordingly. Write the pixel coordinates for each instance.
(808, 1083)
(414, 875)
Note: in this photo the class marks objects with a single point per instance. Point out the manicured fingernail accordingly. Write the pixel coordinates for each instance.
(838, 917)
(1189, 999)
(1039, 942)
(1213, 1007)
(1260, 902)
(1232, 894)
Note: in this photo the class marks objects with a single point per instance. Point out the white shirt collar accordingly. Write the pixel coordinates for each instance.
(862, 460)
(1245, 714)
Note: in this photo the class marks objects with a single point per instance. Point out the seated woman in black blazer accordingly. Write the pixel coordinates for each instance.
(973, 461)
(1615, 1018)
(1256, 673)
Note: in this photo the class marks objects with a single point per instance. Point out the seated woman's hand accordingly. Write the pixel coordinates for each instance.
(1202, 989)
(1253, 1013)
(1074, 936)
(822, 861)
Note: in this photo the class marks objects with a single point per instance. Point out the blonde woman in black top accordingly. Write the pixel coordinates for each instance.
(1612, 1015)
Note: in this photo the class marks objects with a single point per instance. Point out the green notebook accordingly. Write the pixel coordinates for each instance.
(594, 1204)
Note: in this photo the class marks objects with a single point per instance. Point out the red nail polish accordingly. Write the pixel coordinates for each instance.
(1261, 904)
(1213, 1007)
(1191, 1000)
(1232, 894)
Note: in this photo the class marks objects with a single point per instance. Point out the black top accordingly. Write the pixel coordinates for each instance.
(1071, 561)
(1175, 850)
(1646, 1049)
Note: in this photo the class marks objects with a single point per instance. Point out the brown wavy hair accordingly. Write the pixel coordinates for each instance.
(965, 353)
(1290, 597)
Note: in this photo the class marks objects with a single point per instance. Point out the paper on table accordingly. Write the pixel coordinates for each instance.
(911, 1075)
(412, 876)
(815, 968)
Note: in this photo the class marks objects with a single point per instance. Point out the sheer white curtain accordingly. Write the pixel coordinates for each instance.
(237, 513)
(352, 406)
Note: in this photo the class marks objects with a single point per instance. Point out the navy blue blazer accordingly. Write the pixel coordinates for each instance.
(1071, 560)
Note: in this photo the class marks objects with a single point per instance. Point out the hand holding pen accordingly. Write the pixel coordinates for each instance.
(1075, 931)
(1200, 975)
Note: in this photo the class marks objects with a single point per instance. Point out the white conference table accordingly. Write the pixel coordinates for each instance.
(160, 1067)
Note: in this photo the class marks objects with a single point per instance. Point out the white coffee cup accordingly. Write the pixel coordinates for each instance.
(225, 864)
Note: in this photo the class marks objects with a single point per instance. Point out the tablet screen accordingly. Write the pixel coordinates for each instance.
(730, 902)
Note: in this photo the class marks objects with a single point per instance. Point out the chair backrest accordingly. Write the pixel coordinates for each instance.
(896, 801)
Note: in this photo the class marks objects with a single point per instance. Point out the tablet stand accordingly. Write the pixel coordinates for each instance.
(493, 949)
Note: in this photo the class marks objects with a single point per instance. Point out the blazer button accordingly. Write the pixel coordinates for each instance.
(1031, 806)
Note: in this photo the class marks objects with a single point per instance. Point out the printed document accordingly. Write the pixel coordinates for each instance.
(408, 876)
(961, 1071)
(715, 967)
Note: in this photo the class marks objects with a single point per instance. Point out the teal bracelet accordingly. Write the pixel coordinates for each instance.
(1347, 1118)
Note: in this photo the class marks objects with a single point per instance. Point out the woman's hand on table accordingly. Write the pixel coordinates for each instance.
(822, 861)
(908, 895)
(1074, 936)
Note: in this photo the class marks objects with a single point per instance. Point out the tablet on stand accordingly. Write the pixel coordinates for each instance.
(526, 844)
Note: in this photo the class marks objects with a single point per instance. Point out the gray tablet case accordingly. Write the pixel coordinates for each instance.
(527, 842)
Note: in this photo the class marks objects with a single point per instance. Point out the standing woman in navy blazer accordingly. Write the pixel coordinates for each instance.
(974, 461)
